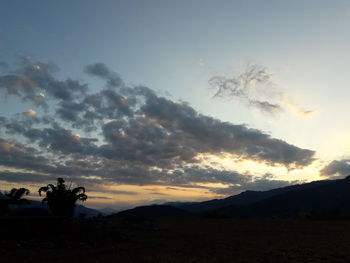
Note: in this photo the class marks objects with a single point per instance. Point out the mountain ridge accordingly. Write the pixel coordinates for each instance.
(317, 198)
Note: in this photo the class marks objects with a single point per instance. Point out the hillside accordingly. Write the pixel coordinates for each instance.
(331, 199)
(247, 197)
(323, 199)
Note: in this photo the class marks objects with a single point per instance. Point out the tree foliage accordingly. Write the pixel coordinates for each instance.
(62, 200)
(16, 195)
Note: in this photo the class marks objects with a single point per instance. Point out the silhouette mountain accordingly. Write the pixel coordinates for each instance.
(324, 200)
(319, 199)
(246, 198)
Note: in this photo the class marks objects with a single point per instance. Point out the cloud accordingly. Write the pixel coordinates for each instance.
(33, 79)
(20, 177)
(102, 71)
(98, 197)
(30, 113)
(170, 131)
(250, 87)
(236, 182)
(129, 135)
(336, 169)
(298, 109)
(3, 65)
(254, 185)
(69, 111)
(266, 106)
(61, 140)
(17, 155)
(255, 88)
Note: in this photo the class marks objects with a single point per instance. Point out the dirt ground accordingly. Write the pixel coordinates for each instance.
(198, 240)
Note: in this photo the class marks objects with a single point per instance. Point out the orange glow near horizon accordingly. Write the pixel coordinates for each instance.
(114, 194)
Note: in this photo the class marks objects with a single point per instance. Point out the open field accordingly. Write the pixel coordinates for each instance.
(198, 240)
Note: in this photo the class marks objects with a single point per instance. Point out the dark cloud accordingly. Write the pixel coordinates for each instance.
(116, 172)
(69, 111)
(129, 135)
(199, 133)
(17, 155)
(20, 177)
(35, 80)
(98, 197)
(64, 141)
(182, 177)
(102, 71)
(55, 139)
(89, 112)
(336, 169)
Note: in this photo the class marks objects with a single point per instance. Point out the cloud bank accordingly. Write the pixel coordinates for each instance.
(121, 134)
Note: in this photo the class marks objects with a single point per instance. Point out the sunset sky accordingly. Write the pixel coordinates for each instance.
(154, 101)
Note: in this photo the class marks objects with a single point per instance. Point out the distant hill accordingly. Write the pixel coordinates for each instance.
(109, 211)
(36, 208)
(155, 211)
(319, 199)
(329, 199)
(247, 197)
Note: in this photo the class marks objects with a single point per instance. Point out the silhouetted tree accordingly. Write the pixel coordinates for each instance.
(61, 200)
(16, 195)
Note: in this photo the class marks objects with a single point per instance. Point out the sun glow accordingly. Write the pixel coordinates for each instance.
(231, 162)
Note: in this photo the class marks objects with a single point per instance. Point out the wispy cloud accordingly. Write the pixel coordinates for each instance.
(255, 87)
(298, 109)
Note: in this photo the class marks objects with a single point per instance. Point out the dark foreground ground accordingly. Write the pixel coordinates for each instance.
(190, 240)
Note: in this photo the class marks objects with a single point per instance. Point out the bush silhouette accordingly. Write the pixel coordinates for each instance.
(61, 200)
(16, 195)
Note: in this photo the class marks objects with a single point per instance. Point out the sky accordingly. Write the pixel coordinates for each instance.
(154, 101)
